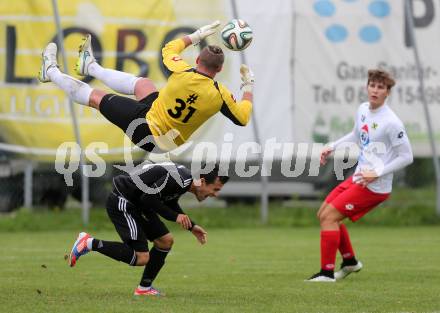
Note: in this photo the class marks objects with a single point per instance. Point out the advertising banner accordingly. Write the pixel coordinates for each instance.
(336, 42)
(126, 37)
(310, 60)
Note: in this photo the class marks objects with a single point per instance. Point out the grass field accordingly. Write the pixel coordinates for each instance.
(239, 270)
(406, 207)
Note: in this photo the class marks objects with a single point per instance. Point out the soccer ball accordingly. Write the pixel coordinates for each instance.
(236, 35)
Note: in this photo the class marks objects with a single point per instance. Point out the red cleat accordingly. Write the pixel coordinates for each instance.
(150, 291)
(79, 248)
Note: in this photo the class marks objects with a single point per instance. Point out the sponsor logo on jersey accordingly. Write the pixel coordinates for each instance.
(375, 125)
(364, 135)
(176, 58)
(400, 135)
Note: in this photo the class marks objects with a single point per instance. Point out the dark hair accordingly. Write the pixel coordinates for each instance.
(381, 77)
(212, 57)
(211, 177)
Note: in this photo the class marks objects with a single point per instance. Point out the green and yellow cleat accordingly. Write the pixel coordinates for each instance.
(85, 57)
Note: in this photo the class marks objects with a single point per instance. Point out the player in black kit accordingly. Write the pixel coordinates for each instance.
(134, 205)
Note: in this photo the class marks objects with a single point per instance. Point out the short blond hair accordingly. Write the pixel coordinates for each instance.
(381, 76)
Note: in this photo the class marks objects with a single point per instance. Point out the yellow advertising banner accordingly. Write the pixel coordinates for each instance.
(127, 35)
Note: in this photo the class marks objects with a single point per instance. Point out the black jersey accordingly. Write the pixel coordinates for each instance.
(156, 187)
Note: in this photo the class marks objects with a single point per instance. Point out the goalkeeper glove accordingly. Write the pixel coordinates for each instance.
(203, 32)
(247, 77)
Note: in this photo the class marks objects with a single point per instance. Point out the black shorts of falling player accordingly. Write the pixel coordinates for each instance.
(134, 213)
(121, 111)
(135, 227)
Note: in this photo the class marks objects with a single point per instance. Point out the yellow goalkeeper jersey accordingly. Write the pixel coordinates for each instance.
(190, 98)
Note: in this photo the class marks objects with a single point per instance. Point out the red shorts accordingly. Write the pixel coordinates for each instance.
(353, 200)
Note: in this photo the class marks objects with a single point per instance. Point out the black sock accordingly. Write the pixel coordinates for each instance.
(116, 250)
(349, 262)
(327, 273)
(155, 263)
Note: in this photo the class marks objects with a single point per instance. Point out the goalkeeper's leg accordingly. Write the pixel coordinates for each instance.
(120, 82)
(76, 90)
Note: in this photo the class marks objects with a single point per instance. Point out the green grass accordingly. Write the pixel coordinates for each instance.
(406, 207)
(239, 270)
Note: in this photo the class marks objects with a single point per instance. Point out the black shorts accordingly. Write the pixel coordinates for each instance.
(133, 226)
(121, 111)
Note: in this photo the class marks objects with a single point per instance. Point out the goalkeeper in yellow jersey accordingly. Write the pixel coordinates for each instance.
(169, 116)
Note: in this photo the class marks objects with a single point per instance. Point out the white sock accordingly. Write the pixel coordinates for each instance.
(143, 288)
(89, 243)
(74, 88)
(118, 81)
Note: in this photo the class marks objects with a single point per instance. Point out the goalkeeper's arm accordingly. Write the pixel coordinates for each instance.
(248, 80)
(171, 51)
(201, 34)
